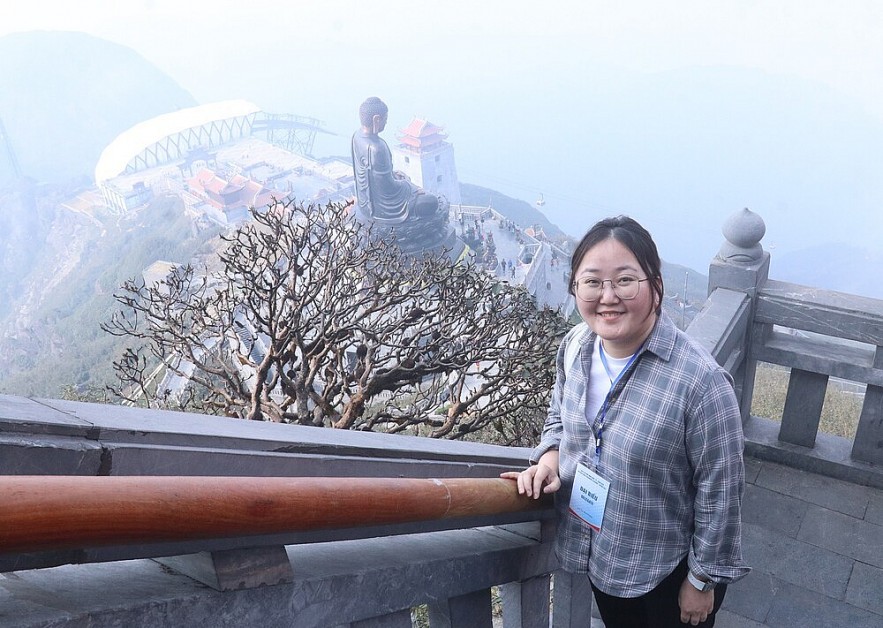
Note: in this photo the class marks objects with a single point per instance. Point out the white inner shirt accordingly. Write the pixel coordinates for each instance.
(600, 381)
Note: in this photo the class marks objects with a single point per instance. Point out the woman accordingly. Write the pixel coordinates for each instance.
(644, 440)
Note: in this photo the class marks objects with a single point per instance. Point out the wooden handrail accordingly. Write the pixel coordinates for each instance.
(67, 512)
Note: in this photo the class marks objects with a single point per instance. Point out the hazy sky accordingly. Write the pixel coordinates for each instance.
(838, 43)
(322, 58)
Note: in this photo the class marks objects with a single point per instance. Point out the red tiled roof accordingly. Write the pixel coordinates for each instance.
(220, 187)
(422, 128)
(238, 191)
(422, 134)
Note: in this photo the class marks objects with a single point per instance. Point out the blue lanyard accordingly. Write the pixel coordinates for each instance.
(609, 398)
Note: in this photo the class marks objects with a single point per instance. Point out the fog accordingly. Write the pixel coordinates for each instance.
(676, 114)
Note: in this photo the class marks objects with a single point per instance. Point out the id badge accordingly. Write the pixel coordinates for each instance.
(588, 498)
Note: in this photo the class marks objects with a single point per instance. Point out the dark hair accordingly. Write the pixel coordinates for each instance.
(628, 232)
(372, 106)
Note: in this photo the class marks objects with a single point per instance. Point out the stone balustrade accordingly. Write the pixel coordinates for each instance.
(371, 575)
(818, 334)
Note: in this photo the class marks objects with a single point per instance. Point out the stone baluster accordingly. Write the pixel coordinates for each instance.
(742, 265)
(470, 609)
(868, 443)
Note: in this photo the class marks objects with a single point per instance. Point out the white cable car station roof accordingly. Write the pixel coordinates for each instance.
(171, 136)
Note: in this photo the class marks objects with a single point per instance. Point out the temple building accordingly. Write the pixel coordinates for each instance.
(423, 154)
(230, 198)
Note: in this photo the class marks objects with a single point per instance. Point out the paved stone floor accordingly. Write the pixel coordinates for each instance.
(815, 546)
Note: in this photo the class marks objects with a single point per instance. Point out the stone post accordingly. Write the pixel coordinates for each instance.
(867, 445)
(743, 265)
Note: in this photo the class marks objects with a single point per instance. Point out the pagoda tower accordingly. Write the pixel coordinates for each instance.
(423, 154)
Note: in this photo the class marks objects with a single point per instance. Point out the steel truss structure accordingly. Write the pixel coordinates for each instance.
(170, 137)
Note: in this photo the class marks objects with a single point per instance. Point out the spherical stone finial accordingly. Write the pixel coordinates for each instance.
(743, 231)
(744, 228)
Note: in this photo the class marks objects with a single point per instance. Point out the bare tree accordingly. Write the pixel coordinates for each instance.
(308, 317)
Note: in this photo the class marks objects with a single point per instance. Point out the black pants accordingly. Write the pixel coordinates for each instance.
(658, 608)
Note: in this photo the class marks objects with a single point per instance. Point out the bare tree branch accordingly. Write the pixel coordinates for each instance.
(307, 317)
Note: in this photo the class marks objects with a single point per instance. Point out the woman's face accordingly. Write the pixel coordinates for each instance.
(623, 325)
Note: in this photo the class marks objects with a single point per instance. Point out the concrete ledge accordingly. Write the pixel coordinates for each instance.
(122, 458)
(334, 583)
(178, 429)
(20, 414)
(30, 454)
(830, 456)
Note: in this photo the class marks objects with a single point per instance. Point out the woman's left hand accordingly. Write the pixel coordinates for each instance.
(695, 605)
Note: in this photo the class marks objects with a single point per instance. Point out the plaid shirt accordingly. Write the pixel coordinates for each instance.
(672, 451)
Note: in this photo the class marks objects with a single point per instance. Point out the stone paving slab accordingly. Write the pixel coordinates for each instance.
(796, 607)
(795, 562)
(772, 510)
(752, 596)
(814, 544)
(753, 468)
(866, 589)
(849, 499)
(874, 513)
(726, 619)
(844, 535)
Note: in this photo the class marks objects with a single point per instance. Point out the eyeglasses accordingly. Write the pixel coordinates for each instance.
(626, 287)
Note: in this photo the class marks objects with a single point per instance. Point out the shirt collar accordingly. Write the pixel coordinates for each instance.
(661, 341)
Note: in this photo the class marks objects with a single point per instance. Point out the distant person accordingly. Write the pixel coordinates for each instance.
(382, 194)
(643, 445)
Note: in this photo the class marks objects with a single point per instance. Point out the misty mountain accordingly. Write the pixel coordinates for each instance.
(65, 96)
(839, 267)
(710, 141)
(20, 221)
(681, 150)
